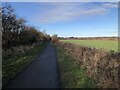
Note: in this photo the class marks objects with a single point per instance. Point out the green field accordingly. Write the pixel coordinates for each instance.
(104, 44)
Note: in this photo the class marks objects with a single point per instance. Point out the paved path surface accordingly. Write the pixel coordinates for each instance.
(41, 73)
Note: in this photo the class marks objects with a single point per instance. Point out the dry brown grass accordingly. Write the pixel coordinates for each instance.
(103, 66)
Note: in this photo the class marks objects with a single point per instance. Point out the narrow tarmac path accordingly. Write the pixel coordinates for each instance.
(41, 73)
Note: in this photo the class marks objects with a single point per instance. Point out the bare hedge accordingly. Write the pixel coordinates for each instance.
(102, 66)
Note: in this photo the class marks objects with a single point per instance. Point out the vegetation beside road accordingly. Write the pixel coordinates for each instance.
(105, 44)
(13, 65)
(20, 42)
(71, 75)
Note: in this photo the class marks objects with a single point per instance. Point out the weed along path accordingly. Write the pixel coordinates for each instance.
(41, 73)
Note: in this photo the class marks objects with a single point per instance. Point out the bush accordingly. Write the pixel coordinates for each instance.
(54, 39)
(102, 66)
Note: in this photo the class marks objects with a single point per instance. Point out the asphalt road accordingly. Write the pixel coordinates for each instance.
(41, 73)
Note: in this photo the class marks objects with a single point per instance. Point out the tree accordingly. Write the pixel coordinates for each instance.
(55, 38)
(11, 27)
(15, 32)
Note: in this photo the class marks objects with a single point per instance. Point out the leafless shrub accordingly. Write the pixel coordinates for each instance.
(102, 66)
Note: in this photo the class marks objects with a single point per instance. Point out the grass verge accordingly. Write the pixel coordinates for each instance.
(72, 75)
(13, 65)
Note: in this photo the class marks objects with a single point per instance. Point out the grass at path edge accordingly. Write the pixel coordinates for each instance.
(12, 66)
(72, 75)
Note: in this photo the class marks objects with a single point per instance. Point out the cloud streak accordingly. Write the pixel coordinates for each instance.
(55, 12)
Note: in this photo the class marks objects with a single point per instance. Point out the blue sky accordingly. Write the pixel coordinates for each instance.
(81, 19)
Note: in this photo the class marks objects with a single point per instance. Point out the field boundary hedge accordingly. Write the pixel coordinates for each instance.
(102, 66)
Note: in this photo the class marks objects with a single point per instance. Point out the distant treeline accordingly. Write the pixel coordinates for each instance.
(15, 32)
(90, 38)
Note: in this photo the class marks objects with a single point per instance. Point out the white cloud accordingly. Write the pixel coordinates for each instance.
(72, 11)
(110, 5)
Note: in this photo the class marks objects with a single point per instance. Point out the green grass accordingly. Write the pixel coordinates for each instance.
(13, 65)
(72, 75)
(104, 44)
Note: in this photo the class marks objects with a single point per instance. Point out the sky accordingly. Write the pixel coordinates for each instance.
(71, 19)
